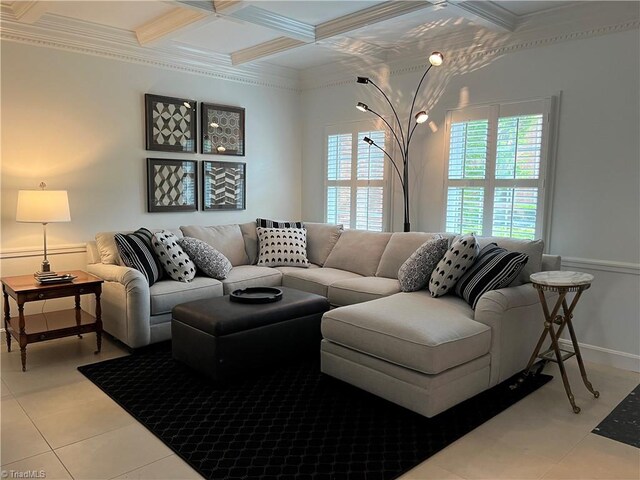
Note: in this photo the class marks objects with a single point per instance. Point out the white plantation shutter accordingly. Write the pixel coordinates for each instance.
(496, 168)
(356, 178)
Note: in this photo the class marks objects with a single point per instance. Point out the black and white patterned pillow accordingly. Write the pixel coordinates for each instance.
(415, 272)
(212, 263)
(495, 268)
(265, 223)
(282, 247)
(174, 260)
(136, 252)
(456, 261)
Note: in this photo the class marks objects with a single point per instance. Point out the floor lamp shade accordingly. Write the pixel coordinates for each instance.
(43, 206)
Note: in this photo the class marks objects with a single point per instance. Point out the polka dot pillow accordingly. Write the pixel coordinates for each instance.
(458, 259)
(175, 262)
(282, 247)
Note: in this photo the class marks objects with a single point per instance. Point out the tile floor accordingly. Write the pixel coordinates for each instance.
(57, 422)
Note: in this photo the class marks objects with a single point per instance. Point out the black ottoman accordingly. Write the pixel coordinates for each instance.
(224, 339)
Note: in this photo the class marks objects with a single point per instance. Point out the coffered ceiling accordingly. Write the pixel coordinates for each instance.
(293, 33)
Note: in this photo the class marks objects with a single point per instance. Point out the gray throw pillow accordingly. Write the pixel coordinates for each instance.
(456, 261)
(212, 263)
(415, 272)
(173, 259)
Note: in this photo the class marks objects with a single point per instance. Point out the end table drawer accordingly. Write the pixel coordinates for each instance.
(66, 291)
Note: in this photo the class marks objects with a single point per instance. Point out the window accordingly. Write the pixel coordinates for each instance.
(355, 178)
(497, 162)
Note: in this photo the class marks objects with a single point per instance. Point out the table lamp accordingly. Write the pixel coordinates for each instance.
(43, 206)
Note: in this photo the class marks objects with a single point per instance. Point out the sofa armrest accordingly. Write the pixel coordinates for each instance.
(126, 303)
(516, 320)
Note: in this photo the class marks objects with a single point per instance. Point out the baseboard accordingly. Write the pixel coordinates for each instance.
(606, 356)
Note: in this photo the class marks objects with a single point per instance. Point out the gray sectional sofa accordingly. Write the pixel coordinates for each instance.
(426, 354)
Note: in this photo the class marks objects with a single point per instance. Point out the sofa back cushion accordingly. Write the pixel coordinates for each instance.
(227, 239)
(358, 251)
(321, 238)
(250, 241)
(533, 249)
(106, 245)
(400, 247)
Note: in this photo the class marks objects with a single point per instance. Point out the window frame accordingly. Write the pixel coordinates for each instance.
(354, 128)
(492, 112)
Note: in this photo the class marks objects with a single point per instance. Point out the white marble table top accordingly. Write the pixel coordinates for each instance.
(561, 279)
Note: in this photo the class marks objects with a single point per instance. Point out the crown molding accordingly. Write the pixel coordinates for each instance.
(29, 11)
(471, 46)
(265, 49)
(288, 26)
(63, 33)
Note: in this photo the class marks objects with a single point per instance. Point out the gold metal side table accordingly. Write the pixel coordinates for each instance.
(563, 283)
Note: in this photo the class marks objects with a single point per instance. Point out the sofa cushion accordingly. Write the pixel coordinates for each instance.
(415, 272)
(315, 280)
(166, 294)
(283, 247)
(412, 330)
(363, 289)
(136, 252)
(495, 268)
(250, 237)
(358, 251)
(533, 249)
(174, 259)
(227, 239)
(321, 238)
(209, 260)
(244, 276)
(456, 261)
(400, 247)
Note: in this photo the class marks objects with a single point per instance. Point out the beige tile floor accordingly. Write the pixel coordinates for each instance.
(54, 420)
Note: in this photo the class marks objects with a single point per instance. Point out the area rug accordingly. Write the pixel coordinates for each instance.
(294, 422)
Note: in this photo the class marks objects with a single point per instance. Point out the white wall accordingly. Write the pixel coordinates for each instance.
(596, 211)
(77, 122)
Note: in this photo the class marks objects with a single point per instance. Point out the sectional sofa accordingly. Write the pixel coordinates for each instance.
(426, 354)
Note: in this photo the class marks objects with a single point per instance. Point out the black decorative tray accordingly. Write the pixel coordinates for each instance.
(256, 295)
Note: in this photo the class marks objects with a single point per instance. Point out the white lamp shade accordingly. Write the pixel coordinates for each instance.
(43, 206)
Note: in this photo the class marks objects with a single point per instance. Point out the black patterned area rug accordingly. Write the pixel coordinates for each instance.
(294, 422)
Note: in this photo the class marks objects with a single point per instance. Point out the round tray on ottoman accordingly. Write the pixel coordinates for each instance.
(256, 295)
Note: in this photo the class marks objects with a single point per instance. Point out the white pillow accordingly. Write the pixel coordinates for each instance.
(175, 262)
(282, 247)
(454, 264)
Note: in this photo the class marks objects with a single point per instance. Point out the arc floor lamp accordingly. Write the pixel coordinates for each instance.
(401, 136)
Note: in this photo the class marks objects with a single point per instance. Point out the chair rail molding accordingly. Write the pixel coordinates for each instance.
(627, 268)
(25, 252)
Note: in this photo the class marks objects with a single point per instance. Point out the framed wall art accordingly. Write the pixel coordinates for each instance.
(172, 185)
(223, 185)
(222, 131)
(170, 124)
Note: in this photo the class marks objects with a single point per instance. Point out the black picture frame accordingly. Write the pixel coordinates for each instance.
(227, 137)
(224, 185)
(170, 125)
(172, 185)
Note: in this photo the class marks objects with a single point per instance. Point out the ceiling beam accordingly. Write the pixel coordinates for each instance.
(205, 6)
(29, 11)
(227, 7)
(485, 13)
(169, 25)
(265, 49)
(274, 21)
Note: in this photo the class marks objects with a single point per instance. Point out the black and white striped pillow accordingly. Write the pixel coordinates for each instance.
(495, 268)
(265, 223)
(136, 252)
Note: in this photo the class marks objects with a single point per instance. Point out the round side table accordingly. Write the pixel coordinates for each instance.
(561, 283)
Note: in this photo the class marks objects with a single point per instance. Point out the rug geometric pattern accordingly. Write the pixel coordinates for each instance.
(291, 423)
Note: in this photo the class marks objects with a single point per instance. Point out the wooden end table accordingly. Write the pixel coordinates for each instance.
(561, 283)
(25, 288)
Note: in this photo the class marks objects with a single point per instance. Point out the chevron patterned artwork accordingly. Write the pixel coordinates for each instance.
(171, 124)
(172, 185)
(223, 186)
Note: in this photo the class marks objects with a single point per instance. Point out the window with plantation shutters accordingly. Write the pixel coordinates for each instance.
(497, 160)
(355, 183)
